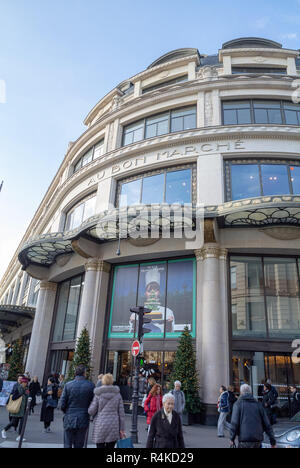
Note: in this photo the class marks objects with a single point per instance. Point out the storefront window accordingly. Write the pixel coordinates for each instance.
(167, 288)
(69, 297)
(265, 297)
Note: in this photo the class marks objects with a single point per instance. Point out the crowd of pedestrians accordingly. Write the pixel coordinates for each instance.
(246, 417)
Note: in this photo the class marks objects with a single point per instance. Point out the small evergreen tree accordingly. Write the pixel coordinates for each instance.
(16, 361)
(82, 355)
(185, 371)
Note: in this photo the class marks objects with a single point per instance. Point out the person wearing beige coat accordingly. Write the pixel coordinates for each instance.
(107, 411)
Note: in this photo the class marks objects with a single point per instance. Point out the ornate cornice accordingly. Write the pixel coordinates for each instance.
(97, 265)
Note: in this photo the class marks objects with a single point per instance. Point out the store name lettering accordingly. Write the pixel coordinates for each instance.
(195, 150)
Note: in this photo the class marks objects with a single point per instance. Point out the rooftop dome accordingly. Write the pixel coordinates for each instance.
(251, 42)
(174, 55)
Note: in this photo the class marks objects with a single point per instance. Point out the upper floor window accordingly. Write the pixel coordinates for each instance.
(180, 79)
(260, 112)
(258, 70)
(80, 212)
(165, 186)
(160, 124)
(249, 179)
(93, 153)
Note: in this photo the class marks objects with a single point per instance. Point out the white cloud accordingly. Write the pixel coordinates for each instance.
(289, 36)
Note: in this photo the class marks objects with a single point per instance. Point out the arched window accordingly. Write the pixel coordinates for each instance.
(80, 212)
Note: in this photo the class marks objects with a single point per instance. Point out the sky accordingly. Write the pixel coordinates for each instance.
(58, 58)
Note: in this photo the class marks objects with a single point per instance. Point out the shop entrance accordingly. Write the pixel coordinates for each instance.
(61, 362)
(255, 367)
(153, 364)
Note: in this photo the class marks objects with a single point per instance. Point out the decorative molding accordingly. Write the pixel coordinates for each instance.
(282, 232)
(209, 231)
(211, 251)
(97, 265)
(45, 285)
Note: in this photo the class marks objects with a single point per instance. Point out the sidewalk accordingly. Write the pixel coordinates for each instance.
(195, 436)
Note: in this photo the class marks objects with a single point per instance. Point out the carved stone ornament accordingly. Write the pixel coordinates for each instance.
(207, 73)
(282, 232)
(48, 286)
(97, 265)
(211, 251)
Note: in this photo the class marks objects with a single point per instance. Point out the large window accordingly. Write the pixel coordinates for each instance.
(260, 112)
(93, 153)
(249, 179)
(167, 186)
(82, 211)
(265, 297)
(160, 124)
(68, 304)
(166, 287)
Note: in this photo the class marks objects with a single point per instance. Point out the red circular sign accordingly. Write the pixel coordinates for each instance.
(135, 348)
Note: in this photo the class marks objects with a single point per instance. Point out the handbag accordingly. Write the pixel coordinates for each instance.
(14, 406)
(51, 403)
(125, 443)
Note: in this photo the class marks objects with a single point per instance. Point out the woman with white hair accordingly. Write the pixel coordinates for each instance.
(166, 427)
(179, 398)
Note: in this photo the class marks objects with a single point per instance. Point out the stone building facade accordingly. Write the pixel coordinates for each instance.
(218, 136)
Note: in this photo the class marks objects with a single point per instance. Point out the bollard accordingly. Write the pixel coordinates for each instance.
(24, 422)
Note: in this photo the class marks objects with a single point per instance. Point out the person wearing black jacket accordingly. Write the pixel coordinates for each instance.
(295, 401)
(249, 421)
(166, 429)
(34, 390)
(269, 402)
(50, 402)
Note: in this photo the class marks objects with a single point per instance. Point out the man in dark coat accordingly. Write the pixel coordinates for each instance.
(249, 421)
(166, 428)
(75, 401)
(295, 401)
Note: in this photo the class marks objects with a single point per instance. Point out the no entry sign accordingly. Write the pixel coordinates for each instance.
(135, 348)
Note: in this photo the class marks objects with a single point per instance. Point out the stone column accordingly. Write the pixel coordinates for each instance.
(213, 347)
(93, 306)
(41, 330)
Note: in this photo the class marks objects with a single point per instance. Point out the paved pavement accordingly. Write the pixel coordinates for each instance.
(195, 436)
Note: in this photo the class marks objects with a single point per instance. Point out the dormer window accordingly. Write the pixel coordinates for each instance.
(258, 70)
(180, 79)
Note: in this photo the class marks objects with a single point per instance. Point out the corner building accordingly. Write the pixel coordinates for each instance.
(219, 132)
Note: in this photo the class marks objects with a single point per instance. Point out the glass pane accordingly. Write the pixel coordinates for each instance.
(244, 116)
(295, 178)
(184, 112)
(245, 181)
(72, 310)
(236, 105)
(261, 116)
(163, 127)
(230, 117)
(275, 179)
(283, 303)
(189, 122)
(153, 189)
(61, 311)
(275, 116)
(247, 298)
(122, 322)
(266, 104)
(138, 134)
(99, 149)
(152, 294)
(131, 193)
(180, 297)
(177, 124)
(89, 208)
(157, 119)
(128, 138)
(291, 117)
(87, 158)
(74, 219)
(78, 165)
(151, 131)
(178, 187)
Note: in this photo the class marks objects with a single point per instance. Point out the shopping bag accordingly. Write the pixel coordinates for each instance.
(14, 406)
(125, 443)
